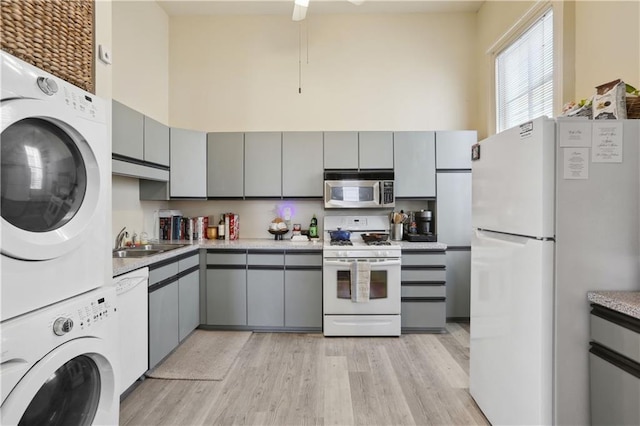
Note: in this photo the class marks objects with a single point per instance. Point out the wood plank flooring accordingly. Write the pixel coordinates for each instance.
(307, 379)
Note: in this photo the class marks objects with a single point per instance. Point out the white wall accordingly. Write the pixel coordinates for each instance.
(365, 72)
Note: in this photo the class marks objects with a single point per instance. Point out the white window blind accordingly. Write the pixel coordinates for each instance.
(524, 76)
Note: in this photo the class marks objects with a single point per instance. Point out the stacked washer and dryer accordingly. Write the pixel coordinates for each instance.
(59, 325)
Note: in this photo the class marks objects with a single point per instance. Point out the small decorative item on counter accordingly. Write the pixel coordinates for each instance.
(278, 227)
(313, 227)
(609, 101)
(221, 228)
(231, 226)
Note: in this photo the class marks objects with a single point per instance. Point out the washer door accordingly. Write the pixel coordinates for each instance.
(73, 385)
(49, 178)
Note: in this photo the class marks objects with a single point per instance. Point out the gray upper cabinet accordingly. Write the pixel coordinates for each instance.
(302, 166)
(225, 164)
(453, 149)
(263, 164)
(127, 131)
(415, 164)
(156, 142)
(188, 174)
(340, 150)
(376, 150)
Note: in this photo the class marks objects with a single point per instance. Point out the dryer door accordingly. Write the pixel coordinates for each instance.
(73, 385)
(50, 178)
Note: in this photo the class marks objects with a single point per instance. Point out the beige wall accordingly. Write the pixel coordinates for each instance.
(600, 42)
(141, 81)
(607, 44)
(141, 57)
(365, 72)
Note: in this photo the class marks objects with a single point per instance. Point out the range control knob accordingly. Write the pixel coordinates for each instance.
(47, 85)
(62, 326)
(342, 253)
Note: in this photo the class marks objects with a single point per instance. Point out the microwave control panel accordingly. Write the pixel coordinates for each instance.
(387, 192)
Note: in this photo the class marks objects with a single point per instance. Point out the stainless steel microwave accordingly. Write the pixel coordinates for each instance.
(349, 189)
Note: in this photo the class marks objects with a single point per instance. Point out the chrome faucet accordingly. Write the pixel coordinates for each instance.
(120, 238)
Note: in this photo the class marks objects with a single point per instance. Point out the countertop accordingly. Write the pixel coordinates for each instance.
(122, 266)
(626, 302)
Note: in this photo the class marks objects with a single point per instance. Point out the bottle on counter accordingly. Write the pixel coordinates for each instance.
(313, 227)
(221, 228)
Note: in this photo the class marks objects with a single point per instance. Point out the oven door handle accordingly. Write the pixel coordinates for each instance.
(390, 262)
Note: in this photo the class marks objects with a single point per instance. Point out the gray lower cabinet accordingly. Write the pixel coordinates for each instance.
(226, 288)
(264, 289)
(423, 291)
(303, 290)
(265, 297)
(458, 283)
(189, 303)
(614, 367)
(174, 303)
(163, 322)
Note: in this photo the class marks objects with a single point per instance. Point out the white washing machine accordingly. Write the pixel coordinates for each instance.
(59, 365)
(55, 177)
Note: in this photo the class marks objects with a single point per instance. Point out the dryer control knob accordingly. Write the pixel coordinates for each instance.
(47, 85)
(62, 326)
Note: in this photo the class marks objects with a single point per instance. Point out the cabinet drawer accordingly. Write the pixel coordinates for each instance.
(423, 275)
(424, 314)
(423, 290)
(424, 259)
(266, 259)
(615, 337)
(162, 273)
(303, 259)
(226, 258)
(189, 262)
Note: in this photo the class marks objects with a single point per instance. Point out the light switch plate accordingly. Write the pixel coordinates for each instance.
(104, 54)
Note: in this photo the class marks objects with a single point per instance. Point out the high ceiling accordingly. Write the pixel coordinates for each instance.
(316, 7)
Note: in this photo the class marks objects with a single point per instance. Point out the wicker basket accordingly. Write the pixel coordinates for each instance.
(633, 106)
(53, 35)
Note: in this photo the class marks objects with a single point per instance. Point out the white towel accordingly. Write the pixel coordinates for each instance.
(360, 281)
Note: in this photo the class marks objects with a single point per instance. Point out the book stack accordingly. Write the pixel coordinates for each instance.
(170, 224)
(231, 226)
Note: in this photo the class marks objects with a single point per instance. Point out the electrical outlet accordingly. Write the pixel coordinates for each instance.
(104, 54)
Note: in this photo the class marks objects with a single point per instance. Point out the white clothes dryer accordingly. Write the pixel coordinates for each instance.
(55, 178)
(59, 365)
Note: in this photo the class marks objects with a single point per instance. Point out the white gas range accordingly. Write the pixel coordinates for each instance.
(345, 263)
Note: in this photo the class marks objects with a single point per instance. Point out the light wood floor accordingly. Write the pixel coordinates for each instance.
(300, 379)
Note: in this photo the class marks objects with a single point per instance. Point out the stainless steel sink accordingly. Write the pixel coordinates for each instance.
(145, 250)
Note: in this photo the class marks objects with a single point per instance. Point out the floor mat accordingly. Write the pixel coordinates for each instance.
(205, 355)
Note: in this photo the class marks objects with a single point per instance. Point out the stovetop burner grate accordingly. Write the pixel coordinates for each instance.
(341, 243)
(379, 243)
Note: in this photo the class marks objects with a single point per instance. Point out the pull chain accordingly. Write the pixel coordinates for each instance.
(300, 57)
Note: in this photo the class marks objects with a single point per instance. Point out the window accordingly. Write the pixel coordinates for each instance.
(524, 76)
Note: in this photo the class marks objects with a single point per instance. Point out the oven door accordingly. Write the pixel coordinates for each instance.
(351, 193)
(384, 293)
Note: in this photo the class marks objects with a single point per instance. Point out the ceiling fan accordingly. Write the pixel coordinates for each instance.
(300, 8)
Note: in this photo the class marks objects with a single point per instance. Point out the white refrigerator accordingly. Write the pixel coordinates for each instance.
(555, 213)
